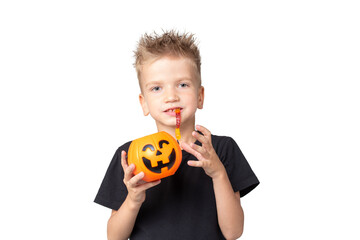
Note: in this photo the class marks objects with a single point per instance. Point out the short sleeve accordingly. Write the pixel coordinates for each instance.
(240, 174)
(112, 191)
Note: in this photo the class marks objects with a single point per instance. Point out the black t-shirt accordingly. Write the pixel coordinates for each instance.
(183, 205)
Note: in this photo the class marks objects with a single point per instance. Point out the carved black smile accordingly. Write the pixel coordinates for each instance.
(160, 163)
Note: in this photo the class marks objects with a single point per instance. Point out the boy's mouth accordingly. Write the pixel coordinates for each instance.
(171, 111)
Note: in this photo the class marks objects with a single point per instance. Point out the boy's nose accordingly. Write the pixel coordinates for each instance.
(171, 96)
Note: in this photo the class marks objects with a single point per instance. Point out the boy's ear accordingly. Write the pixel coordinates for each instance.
(143, 104)
(201, 97)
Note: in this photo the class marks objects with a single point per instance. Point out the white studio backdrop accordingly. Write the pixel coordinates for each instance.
(281, 78)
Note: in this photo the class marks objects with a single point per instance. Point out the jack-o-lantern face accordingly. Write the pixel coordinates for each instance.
(162, 159)
(157, 155)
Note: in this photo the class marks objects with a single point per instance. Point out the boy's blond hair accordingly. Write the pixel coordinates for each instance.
(170, 43)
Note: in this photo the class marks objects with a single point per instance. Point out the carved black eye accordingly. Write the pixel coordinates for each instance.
(162, 142)
(148, 146)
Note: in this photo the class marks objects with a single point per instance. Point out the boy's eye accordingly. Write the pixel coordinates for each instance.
(155, 89)
(182, 85)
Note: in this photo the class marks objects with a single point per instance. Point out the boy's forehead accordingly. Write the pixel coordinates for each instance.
(162, 68)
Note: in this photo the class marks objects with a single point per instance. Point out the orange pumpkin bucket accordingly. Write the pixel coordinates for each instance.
(157, 155)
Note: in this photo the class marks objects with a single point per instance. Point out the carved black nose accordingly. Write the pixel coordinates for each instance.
(158, 153)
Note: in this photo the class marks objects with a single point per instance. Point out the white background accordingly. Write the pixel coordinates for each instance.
(281, 78)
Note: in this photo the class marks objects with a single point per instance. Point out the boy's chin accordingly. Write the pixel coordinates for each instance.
(167, 126)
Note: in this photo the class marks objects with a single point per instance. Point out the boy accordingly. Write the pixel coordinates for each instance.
(202, 199)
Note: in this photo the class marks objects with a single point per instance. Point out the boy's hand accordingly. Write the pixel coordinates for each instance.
(208, 159)
(135, 185)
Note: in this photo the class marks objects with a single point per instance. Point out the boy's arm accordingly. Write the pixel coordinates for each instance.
(228, 206)
(229, 210)
(121, 222)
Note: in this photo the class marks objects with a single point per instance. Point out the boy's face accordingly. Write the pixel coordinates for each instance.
(169, 83)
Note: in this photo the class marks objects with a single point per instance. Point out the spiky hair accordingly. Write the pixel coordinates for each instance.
(169, 43)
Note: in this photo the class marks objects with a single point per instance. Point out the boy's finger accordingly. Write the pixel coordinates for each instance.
(193, 163)
(198, 148)
(190, 150)
(200, 138)
(203, 130)
(134, 181)
(148, 185)
(123, 160)
(128, 172)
